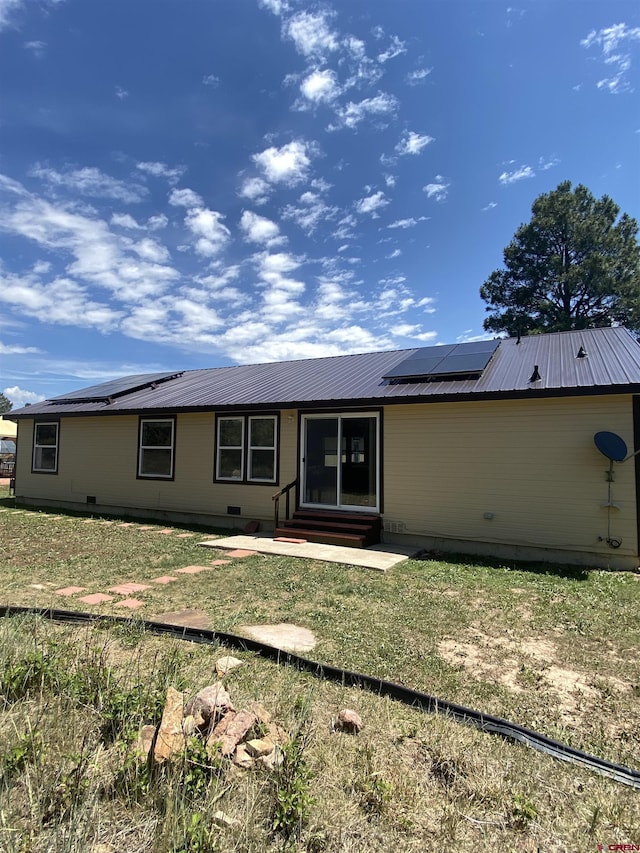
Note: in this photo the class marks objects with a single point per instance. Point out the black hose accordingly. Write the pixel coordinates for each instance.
(414, 698)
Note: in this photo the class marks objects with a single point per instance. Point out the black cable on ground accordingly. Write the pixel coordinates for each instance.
(414, 698)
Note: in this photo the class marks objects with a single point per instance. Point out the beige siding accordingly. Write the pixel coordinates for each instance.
(532, 463)
(98, 457)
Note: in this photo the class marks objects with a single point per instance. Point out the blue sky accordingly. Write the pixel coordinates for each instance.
(194, 183)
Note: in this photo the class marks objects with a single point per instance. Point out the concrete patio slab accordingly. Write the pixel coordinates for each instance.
(380, 558)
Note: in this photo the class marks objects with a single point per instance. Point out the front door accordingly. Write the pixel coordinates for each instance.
(340, 461)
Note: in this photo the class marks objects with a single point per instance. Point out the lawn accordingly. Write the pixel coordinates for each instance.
(553, 648)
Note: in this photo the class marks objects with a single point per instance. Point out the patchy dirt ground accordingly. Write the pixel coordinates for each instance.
(519, 664)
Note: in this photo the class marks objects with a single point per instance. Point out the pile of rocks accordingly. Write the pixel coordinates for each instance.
(211, 715)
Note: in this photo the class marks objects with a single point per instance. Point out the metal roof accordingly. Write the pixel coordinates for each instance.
(611, 363)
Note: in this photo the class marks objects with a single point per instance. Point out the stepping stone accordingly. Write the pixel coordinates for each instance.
(220, 562)
(96, 598)
(240, 552)
(164, 579)
(106, 522)
(131, 603)
(89, 520)
(192, 570)
(37, 586)
(128, 588)
(292, 541)
(185, 535)
(70, 590)
(292, 638)
(166, 532)
(185, 618)
(146, 527)
(125, 524)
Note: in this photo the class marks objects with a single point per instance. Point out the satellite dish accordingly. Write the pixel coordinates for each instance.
(611, 446)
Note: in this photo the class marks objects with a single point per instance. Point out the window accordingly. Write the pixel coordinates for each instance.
(230, 449)
(155, 456)
(45, 447)
(246, 449)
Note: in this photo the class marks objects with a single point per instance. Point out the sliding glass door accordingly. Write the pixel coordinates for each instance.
(339, 465)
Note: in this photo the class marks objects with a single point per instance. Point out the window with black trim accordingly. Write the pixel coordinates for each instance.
(45, 447)
(156, 448)
(246, 448)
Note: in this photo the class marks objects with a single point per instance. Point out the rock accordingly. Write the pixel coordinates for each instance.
(208, 703)
(242, 758)
(349, 721)
(273, 759)
(232, 733)
(263, 716)
(226, 664)
(170, 735)
(259, 747)
(222, 819)
(277, 734)
(145, 740)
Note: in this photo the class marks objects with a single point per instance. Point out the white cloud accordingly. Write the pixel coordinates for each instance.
(383, 104)
(395, 49)
(614, 43)
(309, 212)
(151, 250)
(371, 204)
(161, 170)
(255, 189)
(545, 163)
(412, 143)
(415, 77)
(90, 181)
(96, 256)
(520, 174)
(19, 396)
(414, 331)
(311, 34)
(320, 86)
(121, 93)
(157, 222)
(259, 229)
(210, 80)
(7, 8)
(490, 206)
(438, 190)
(395, 254)
(15, 349)
(411, 222)
(185, 198)
(288, 165)
(208, 229)
(278, 7)
(125, 220)
(36, 47)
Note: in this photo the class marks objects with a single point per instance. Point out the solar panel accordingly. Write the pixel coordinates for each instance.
(444, 362)
(115, 387)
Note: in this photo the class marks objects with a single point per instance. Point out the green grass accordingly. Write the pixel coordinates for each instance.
(553, 648)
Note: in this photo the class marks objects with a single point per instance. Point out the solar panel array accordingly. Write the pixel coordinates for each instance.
(446, 362)
(115, 387)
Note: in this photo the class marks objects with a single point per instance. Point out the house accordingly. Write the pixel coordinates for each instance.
(484, 447)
